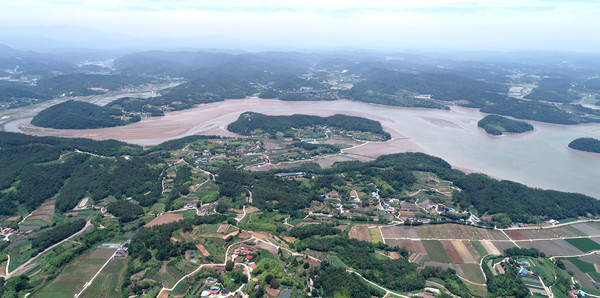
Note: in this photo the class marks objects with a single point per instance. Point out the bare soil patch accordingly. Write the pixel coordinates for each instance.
(516, 235)
(164, 219)
(490, 247)
(252, 209)
(45, 218)
(360, 232)
(268, 247)
(289, 239)
(202, 250)
(223, 229)
(411, 245)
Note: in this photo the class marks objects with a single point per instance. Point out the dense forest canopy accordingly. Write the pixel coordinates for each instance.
(497, 125)
(80, 115)
(250, 121)
(586, 144)
(44, 167)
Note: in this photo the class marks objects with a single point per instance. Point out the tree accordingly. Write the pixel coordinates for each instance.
(229, 265)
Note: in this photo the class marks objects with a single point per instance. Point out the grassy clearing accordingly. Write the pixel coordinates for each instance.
(337, 262)
(20, 254)
(35, 222)
(157, 208)
(375, 235)
(545, 270)
(436, 251)
(584, 244)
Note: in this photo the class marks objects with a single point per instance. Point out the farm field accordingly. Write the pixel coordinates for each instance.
(360, 232)
(471, 272)
(108, 282)
(436, 251)
(164, 219)
(74, 276)
(584, 244)
(552, 247)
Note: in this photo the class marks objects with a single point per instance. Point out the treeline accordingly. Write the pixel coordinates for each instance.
(555, 90)
(56, 234)
(159, 238)
(497, 125)
(586, 144)
(126, 211)
(527, 252)
(207, 88)
(384, 85)
(306, 231)
(250, 121)
(80, 115)
(519, 202)
(333, 281)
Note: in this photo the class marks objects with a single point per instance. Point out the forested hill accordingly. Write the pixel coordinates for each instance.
(31, 164)
(497, 125)
(586, 144)
(250, 121)
(80, 115)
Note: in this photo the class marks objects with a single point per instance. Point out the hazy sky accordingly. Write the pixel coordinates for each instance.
(385, 24)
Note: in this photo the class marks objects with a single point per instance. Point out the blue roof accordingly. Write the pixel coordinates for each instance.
(524, 271)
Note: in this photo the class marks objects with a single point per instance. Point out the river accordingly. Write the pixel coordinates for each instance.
(540, 158)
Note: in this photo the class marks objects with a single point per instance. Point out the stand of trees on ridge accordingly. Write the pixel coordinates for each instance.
(80, 115)
(250, 121)
(586, 144)
(497, 125)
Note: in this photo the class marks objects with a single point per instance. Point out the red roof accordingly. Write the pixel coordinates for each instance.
(249, 257)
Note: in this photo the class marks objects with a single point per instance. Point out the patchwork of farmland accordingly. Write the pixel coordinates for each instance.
(74, 276)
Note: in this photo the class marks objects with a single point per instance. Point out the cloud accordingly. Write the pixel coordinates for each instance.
(485, 24)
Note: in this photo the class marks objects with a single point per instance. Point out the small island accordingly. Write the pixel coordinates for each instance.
(298, 126)
(81, 115)
(586, 144)
(498, 125)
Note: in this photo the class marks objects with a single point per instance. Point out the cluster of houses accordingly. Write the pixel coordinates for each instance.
(7, 233)
(243, 252)
(213, 288)
(122, 251)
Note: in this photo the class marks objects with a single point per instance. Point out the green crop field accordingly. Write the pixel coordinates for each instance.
(436, 251)
(74, 276)
(585, 267)
(479, 247)
(584, 244)
(108, 282)
(473, 273)
(375, 235)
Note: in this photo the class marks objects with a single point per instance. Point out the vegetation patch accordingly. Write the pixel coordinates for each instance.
(586, 144)
(81, 115)
(498, 125)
